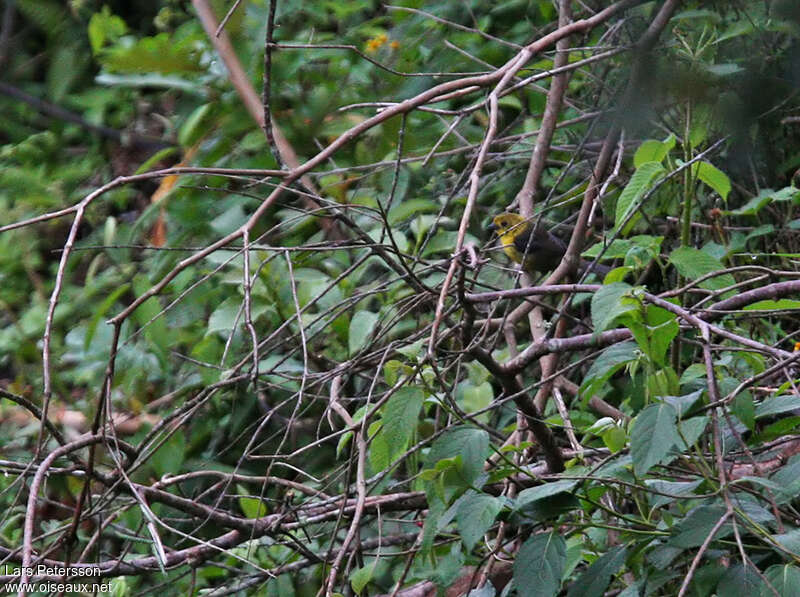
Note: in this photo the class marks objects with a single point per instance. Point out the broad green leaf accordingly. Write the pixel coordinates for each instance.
(476, 514)
(693, 263)
(777, 405)
(539, 565)
(611, 302)
(532, 494)
(620, 247)
(360, 577)
(674, 489)
(170, 455)
(740, 580)
(362, 326)
(473, 397)
(694, 529)
(745, 410)
(400, 417)
(789, 541)
(469, 443)
(636, 188)
(610, 360)
(769, 305)
(225, 316)
(785, 578)
(653, 151)
(714, 177)
(411, 207)
(683, 404)
(252, 507)
(691, 430)
(150, 314)
(654, 433)
(595, 579)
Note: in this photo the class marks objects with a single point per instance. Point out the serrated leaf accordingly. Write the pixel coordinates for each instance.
(693, 530)
(674, 490)
(652, 150)
(362, 326)
(713, 177)
(611, 302)
(777, 405)
(411, 207)
(693, 263)
(532, 494)
(610, 360)
(654, 433)
(784, 578)
(539, 565)
(770, 305)
(471, 445)
(476, 514)
(595, 579)
(638, 185)
(400, 417)
(740, 580)
(224, 316)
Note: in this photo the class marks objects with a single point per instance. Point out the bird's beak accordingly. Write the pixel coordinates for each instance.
(492, 227)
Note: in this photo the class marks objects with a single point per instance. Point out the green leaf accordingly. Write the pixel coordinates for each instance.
(683, 404)
(713, 177)
(150, 314)
(225, 316)
(674, 490)
(476, 514)
(654, 433)
(532, 494)
(653, 151)
(539, 565)
(740, 580)
(105, 27)
(770, 305)
(400, 417)
(693, 530)
(470, 444)
(252, 507)
(785, 578)
(362, 326)
(595, 579)
(636, 188)
(611, 302)
(693, 263)
(170, 456)
(411, 207)
(101, 311)
(360, 577)
(777, 405)
(745, 410)
(472, 397)
(610, 360)
(614, 438)
(691, 430)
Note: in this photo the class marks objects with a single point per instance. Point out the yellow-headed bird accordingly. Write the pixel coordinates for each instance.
(541, 253)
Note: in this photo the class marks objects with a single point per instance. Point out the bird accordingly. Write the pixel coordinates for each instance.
(539, 254)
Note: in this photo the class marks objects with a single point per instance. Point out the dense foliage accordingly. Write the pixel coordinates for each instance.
(298, 363)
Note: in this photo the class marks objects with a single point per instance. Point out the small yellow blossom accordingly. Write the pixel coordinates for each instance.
(376, 42)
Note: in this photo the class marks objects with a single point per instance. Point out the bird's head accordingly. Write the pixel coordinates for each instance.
(505, 223)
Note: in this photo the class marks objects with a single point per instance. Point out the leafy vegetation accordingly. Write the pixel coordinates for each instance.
(283, 355)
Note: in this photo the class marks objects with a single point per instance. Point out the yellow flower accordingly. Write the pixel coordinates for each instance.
(376, 42)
